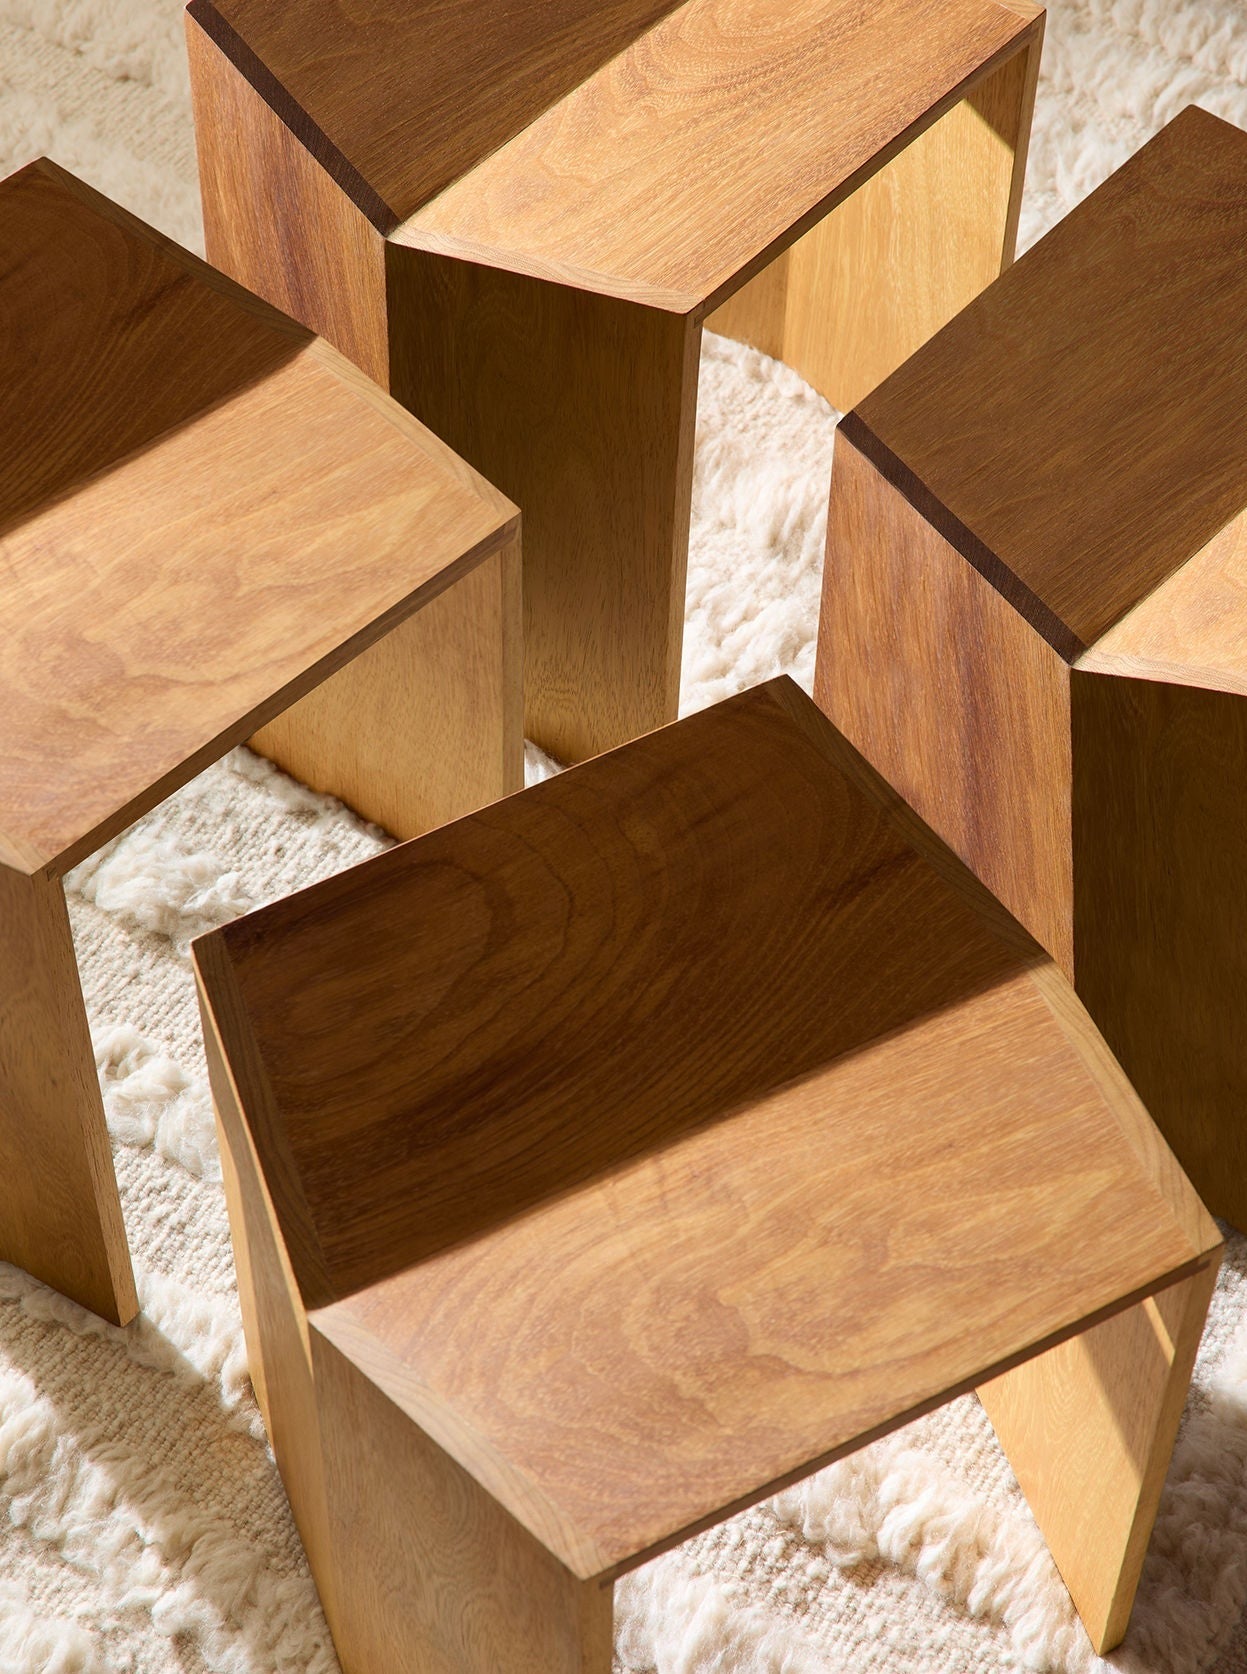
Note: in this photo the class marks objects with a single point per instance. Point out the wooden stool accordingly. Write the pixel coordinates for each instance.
(517, 218)
(613, 1156)
(207, 517)
(1035, 615)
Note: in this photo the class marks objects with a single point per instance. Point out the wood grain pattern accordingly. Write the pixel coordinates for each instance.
(458, 1587)
(428, 723)
(718, 1317)
(111, 334)
(854, 1149)
(1160, 844)
(646, 175)
(610, 997)
(1024, 417)
(405, 99)
(279, 1352)
(1104, 806)
(204, 513)
(1107, 1403)
(582, 409)
(293, 557)
(562, 239)
(892, 263)
(60, 1215)
(1192, 630)
(275, 220)
(950, 694)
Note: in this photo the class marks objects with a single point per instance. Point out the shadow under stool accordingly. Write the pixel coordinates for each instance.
(1034, 616)
(606, 1160)
(212, 528)
(518, 217)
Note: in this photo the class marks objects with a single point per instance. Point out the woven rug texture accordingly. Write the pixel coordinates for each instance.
(143, 1528)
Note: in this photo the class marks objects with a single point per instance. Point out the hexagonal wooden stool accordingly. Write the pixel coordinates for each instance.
(611, 1157)
(1035, 615)
(517, 218)
(210, 523)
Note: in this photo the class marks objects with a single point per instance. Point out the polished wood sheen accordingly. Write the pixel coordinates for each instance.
(1035, 614)
(854, 1147)
(612, 178)
(212, 526)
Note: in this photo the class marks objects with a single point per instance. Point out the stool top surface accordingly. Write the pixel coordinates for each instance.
(203, 511)
(642, 148)
(657, 1133)
(1079, 431)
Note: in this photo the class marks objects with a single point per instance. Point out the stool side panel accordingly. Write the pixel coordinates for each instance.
(113, 336)
(651, 938)
(705, 1322)
(60, 1213)
(274, 218)
(581, 409)
(648, 173)
(1192, 630)
(1089, 1428)
(431, 1575)
(1160, 843)
(897, 259)
(427, 724)
(950, 694)
(1028, 416)
(275, 1324)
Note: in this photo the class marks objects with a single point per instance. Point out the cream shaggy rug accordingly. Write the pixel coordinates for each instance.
(144, 1530)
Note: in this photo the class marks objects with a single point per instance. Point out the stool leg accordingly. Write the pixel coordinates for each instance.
(581, 409)
(1089, 1427)
(894, 261)
(418, 1569)
(427, 724)
(60, 1214)
(431, 1575)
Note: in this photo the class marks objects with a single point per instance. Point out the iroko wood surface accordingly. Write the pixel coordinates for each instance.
(262, 518)
(1033, 419)
(724, 128)
(683, 1122)
(205, 513)
(1035, 613)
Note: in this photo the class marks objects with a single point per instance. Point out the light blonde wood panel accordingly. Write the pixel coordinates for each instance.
(582, 410)
(1089, 1426)
(600, 943)
(274, 219)
(757, 313)
(686, 158)
(1160, 850)
(895, 261)
(1026, 416)
(951, 695)
(431, 1575)
(400, 100)
(274, 1321)
(1193, 629)
(428, 723)
(1089, 1429)
(667, 1343)
(60, 1215)
(305, 526)
(112, 335)
(915, 244)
